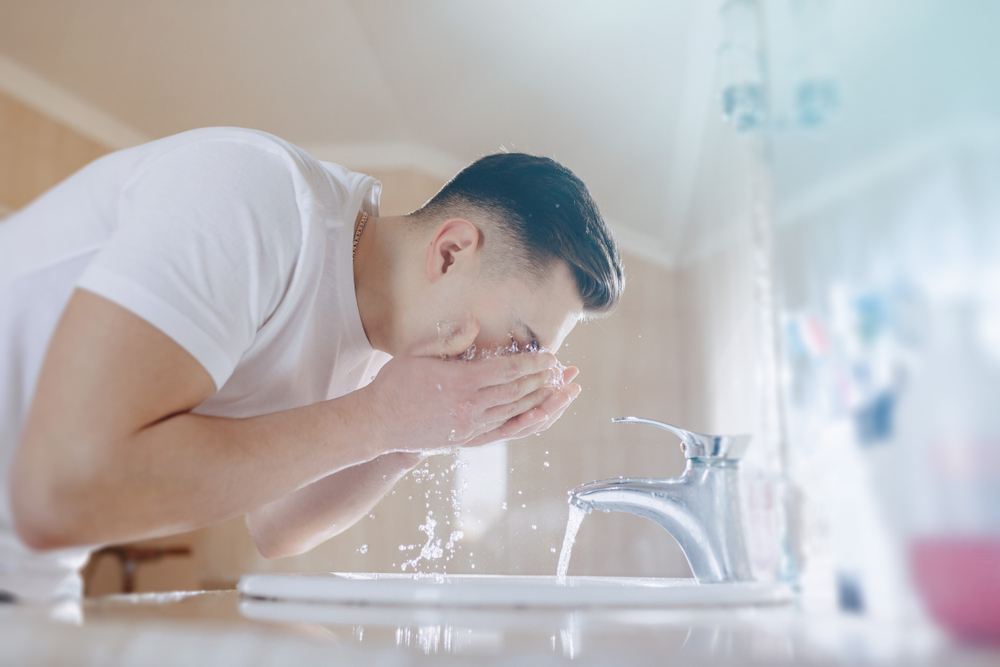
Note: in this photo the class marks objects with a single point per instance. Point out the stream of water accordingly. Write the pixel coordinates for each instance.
(572, 526)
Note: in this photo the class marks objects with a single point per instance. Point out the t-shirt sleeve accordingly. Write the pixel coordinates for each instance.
(207, 241)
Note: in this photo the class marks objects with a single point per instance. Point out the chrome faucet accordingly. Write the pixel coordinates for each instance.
(700, 509)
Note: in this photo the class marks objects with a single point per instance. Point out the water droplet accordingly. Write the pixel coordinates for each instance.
(546, 464)
(534, 527)
(363, 549)
(552, 549)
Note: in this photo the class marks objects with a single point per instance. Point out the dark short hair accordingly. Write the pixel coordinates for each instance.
(548, 212)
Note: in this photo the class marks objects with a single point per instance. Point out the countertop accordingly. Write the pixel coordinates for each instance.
(223, 628)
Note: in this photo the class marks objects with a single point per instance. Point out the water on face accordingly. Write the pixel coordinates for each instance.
(572, 527)
(447, 329)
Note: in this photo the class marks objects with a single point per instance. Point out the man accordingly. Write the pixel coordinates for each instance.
(216, 324)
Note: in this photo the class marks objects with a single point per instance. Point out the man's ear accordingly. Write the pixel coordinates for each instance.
(455, 241)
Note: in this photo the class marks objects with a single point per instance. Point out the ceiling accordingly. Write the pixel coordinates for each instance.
(619, 92)
(625, 93)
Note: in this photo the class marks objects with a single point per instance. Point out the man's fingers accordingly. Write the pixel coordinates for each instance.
(554, 417)
(562, 398)
(535, 420)
(510, 428)
(461, 338)
(540, 418)
(501, 370)
(453, 339)
(515, 390)
(521, 404)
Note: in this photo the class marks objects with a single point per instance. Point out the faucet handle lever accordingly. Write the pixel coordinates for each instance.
(698, 445)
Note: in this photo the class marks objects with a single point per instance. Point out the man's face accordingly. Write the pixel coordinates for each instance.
(517, 315)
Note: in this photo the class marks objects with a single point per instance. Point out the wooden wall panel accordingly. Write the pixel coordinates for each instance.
(37, 152)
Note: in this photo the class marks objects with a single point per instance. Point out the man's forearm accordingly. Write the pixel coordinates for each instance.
(186, 472)
(313, 514)
(110, 450)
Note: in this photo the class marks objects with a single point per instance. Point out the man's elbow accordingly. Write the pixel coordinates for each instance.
(265, 540)
(44, 511)
(38, 522)
(272, 543)
(272, 551)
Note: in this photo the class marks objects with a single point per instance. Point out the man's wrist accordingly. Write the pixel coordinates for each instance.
(364, 421)
(403, 460)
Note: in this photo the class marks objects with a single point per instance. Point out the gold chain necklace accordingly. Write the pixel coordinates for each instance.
(357, 234)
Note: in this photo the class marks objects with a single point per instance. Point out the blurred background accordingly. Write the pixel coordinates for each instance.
(807, 195)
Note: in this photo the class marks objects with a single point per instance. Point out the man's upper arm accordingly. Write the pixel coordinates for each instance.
(109, 371)
(207, 241)
(107, 374)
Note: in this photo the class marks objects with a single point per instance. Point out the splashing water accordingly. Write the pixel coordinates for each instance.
(572, 527)
(557, 380)
(433, 549)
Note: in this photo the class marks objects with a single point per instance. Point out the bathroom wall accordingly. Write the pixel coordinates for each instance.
(680, 348)
(36, 152)
(630, 364)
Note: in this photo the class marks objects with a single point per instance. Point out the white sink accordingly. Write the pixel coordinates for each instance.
(519, 591)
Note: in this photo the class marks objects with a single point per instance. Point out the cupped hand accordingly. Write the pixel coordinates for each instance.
(426, 399)
(540, 417)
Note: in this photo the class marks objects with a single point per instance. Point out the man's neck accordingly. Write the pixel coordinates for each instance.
(378, 267)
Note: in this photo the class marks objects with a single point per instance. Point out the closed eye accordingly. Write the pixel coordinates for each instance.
(533, 345)
(517, 346)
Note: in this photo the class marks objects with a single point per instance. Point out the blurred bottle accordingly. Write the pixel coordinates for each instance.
(949, 426)
(743, 102)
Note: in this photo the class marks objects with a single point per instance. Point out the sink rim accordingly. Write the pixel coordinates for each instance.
(486, 590)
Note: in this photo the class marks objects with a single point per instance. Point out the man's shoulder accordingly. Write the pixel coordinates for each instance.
(221, 153)
(227, 141)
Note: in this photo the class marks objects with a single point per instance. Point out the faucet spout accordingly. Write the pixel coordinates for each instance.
(700, 509)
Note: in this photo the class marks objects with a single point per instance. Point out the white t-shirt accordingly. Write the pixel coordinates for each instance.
(234, 243)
